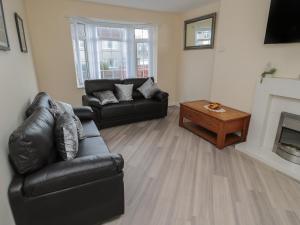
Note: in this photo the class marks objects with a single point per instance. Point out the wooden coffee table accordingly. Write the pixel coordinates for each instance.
(220, 128)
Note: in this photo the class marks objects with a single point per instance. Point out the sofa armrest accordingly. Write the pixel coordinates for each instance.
(16, 198)
(161, 96)
(67, 174)
(15, 189)
(84, 113)
(88, 100)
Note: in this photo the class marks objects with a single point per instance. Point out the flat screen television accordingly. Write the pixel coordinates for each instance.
(284, 22)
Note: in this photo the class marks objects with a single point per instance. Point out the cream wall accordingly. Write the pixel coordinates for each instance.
(241, 55)
(196, 66)
(227, 73)
(18, 85)
(53, 54)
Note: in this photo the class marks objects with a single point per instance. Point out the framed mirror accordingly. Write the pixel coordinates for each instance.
(200, 32)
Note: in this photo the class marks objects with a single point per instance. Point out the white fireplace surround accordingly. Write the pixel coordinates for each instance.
(272, 97)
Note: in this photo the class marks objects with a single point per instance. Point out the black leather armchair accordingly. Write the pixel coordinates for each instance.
(125, 112)
(83, 191)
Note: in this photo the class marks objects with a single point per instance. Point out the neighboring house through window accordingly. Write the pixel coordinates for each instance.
(106, 50)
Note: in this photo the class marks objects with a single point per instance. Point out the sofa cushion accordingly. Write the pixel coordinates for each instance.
(147, 106)
(90, 129)
(100, 85)
(69, 174)
(66, 136)
(42, 99)
(31, 146)
(92, 146)
(117, 110)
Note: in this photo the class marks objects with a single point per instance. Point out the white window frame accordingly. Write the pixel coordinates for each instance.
(92, 50)
(150, 41)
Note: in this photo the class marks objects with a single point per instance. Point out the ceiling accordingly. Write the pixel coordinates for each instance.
(156, 5)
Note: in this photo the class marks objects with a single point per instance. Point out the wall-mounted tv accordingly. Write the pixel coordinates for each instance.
(284, 22)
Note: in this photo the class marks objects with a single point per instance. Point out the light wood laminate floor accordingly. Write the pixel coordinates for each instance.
(173, 177)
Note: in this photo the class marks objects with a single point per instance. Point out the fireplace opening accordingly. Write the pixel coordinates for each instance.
(287, 142)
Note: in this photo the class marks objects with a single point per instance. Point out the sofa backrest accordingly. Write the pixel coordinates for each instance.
(105, 85)
(42, 99)
(100, 85)
(137, 82)
(31, 145)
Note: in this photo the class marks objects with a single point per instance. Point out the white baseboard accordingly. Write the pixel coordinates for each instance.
(173, 104)
(274, 161)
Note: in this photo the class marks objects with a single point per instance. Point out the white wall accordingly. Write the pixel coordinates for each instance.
(17, 86)
(196, 66)
(241, 55)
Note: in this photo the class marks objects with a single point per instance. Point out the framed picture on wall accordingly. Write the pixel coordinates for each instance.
(4, 43)
(21, 33)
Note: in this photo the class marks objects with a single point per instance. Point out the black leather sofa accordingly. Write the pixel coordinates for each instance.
(83, 191)
(124, 112)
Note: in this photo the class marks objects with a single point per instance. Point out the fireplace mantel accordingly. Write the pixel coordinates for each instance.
(270, 94)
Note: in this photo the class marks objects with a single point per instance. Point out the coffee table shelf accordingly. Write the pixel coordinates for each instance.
(209, 135)
(218, 128)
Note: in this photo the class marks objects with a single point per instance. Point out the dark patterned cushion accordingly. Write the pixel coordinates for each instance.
(66, 136)
(106, 97)
(124, 92)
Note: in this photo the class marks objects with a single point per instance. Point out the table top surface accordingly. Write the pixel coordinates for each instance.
(230, 114)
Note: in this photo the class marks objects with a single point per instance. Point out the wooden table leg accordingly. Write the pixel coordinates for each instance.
(221, 138)
(244, 132)
(181, 118)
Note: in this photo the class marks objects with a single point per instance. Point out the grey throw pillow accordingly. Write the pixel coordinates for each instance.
(124, 92)
(66, 136)
(148, 89)
(59, 108)
(79, 127)
(106, 97)
(64, 107)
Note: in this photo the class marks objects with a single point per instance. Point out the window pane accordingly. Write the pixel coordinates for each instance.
(141, 34)
(111, 33)
(81, 31)
(112, 52)
(111, 45)
(143, 56)
(145, 34)
(113, 59)
(138, 33)
(83, 59)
